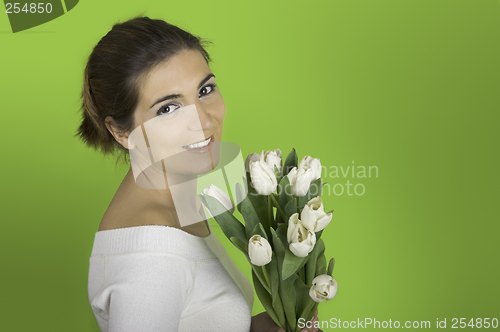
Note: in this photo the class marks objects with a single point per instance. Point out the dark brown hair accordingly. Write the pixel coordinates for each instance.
(111, 80)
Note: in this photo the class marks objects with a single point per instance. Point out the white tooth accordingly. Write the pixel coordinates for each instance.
(199, 145)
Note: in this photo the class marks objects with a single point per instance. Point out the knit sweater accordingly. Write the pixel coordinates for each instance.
(160, 278)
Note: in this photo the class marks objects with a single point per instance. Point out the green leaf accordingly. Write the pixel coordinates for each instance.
(277, 173)
(281, 231)
(309, 310)
(270, 213)
(314, 191)
(259, 203)
(264, 297)
(331, 264)
(321, 265)
(291, 264)
(279, 250)
(284, 195)
(246, 180)
(302, 273)
(289, 298)
(290, 209)
(258, 272)
(239, 196)
(318, 234)
(248, 212)
(259, 229)
(272, 271)
(319, 248)
(228, 223)
(243, 247)
(303, 298)
(291, 161)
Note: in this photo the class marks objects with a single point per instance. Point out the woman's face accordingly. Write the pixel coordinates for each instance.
(181, 109)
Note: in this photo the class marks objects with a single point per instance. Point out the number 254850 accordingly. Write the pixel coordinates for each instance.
(28, 8)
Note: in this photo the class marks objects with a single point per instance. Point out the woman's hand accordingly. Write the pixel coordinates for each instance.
(264, 323)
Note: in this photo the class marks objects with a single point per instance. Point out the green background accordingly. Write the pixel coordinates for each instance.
(411, 87)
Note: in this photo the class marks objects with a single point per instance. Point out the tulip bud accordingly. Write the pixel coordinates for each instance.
(301, 241)
(300, 181)
(324, 287)
(259, 250)
(263, 178)
(313, 164)
(250, 158)
(273, 157)
(313, 215)
(301, 177)
(221, 196)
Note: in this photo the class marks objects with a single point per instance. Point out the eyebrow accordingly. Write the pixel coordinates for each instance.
(203, 81)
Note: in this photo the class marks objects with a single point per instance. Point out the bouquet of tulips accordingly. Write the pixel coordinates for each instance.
(284, 218)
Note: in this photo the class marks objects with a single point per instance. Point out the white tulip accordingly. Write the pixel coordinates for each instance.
(313, 215)
(324, 287)
(273, 157)
(300, 181)
(263, 178)
(250, 158)
(301, 177)
(221, 196)
(301, 241)
(259, 250)
(313, 164)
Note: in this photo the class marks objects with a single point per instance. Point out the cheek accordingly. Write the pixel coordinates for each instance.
(219, 109)
(222, 113)
(222, 108)
(141, 118)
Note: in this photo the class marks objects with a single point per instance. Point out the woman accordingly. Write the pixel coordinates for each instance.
(150, 269)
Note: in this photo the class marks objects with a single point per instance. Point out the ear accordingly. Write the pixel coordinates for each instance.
(119, 136)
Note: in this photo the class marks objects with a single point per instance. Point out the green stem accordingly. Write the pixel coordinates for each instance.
(315, 307)
(270, 210)
(266, 276)
(307, 311)
(297, 200)
(278, 207)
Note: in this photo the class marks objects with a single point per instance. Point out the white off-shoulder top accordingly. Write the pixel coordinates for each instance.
(162, 279)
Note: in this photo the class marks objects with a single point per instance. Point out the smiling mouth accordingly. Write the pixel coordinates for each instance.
(199, 145)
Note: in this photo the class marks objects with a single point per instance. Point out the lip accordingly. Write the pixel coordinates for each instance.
(203, 149)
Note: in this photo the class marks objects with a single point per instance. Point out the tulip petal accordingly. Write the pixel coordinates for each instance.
(324, 287)
(323, 222)
(259, 250)
(292, 225)
(250, 158)
(314, 295)
(263, 177)
(333, 290)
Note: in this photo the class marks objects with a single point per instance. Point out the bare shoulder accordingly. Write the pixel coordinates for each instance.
(124, 211)
(130, 207)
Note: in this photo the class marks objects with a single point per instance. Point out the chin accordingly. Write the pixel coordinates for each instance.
(204, 168)
(191, 164)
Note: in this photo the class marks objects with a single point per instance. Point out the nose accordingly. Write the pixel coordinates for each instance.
(207, 120)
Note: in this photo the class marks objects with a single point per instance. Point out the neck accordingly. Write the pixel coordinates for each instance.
(174, 193)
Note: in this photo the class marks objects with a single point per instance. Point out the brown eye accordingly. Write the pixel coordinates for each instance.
(206, 90)
(167, 109)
